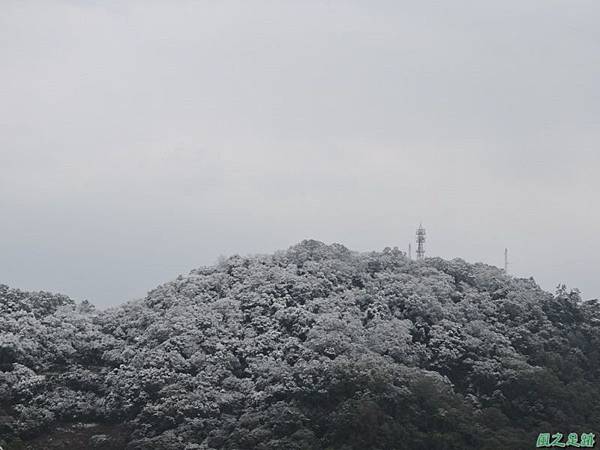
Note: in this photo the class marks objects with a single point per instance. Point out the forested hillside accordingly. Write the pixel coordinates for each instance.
(316, 347)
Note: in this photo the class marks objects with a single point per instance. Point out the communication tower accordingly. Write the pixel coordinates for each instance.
(420, 242)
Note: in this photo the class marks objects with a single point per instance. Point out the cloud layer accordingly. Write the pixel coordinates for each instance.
(141, 139)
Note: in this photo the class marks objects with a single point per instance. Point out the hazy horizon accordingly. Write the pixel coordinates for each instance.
(144, 290)
(140, 140)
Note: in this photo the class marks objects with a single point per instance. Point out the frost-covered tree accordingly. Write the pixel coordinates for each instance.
(316, 347)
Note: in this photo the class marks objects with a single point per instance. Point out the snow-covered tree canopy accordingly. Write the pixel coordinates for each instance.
(316, 347)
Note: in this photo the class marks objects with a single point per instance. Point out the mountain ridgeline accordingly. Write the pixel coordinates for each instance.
(317, 347)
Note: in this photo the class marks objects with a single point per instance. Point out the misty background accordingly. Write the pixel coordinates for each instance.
(139, 140)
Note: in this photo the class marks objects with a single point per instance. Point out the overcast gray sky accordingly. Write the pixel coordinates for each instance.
(141, 139)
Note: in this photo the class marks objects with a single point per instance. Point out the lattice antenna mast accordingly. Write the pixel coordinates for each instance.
(420, 242)
(506, 260)
(409, 251)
